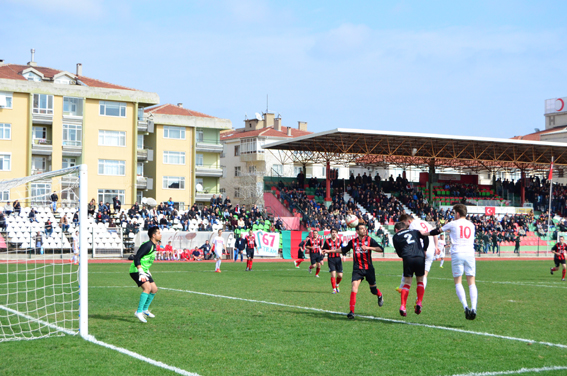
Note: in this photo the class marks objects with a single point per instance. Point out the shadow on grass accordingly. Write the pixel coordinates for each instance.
(112, 318)
(306, 292)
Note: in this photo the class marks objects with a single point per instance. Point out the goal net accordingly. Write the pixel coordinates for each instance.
(43, 255)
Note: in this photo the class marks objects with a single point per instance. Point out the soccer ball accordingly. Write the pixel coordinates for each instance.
(351, 221)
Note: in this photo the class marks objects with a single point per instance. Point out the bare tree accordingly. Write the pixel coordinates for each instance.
(248, 188)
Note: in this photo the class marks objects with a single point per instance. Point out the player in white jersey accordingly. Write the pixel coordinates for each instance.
(422, 226)
(462, 233)
(440, 254)
(218, 243)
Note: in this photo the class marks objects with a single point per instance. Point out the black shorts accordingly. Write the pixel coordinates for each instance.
(414, 265)
(250, 253)
(558, 262)
(300, 254)
(335, 264)
(315, 258)
(360, 274)
(136, 279)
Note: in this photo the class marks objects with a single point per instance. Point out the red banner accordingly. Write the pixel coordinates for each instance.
(490, 210)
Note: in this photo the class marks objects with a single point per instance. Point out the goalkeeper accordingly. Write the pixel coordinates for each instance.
(140, 273)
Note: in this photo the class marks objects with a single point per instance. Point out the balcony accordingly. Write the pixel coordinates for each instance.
(208, 171)
(72, 148)
(143, 182)
(42, 118)
(146, 126)
(208, 145)
(205, 195)
(252, 157)
(145, 155)
(42, 146)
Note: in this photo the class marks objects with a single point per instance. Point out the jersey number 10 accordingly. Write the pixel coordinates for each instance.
(466, 231)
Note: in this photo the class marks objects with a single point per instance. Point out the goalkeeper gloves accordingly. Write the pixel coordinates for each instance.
(142, 276)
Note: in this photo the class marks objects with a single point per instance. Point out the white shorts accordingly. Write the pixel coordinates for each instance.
(461, 262)
(218, 254)
(429, 257)
(440, 255)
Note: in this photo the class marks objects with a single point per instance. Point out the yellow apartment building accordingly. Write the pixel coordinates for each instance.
(52, 119)
(187, 149)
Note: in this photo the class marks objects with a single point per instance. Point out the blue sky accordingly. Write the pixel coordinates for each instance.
(480, 68)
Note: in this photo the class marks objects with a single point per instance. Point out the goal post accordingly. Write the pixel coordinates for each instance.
(42, 292)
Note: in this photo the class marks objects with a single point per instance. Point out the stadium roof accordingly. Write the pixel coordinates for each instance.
(377, 147)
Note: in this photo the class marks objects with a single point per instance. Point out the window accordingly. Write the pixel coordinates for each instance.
(72, 106)
(31, 76)
(106, 195)
(40, 192)
(222, 190)
(65, 80)
(173, 182)
(199, 160)
(174, 157)
(6, 99)
(324, 171)
(5, 131)
(140, 142)
(5, 162)
(174, 132)
(251, 145)
(5, 195)
(200, 135)
(237, 170)
(39, 165)
(39, 133)
(111, 167)
(251, 169)
(139, 196)
(141, 113)
(237, 192)
(140, 169)
(43, 104)
(111, 138)
(72, 135)
(277, 169)
(236, 150)
(112, 108)
(68, 162)
(297, 170)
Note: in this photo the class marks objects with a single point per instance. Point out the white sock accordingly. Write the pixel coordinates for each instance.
(402, 283)
(424, 282)
(217, 265)
(219, 262)
(442, 261)
(474, 296)
(461, 294)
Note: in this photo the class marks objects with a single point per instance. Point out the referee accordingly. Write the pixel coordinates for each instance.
(408, 246)
(140, 273)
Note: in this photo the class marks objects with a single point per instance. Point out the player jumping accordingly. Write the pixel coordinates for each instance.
(558, 251)
(362, 247)
(250, 244)
(140, 273)
(332, 247)
(409, 247)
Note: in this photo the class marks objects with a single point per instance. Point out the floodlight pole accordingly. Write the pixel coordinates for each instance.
(83, 253)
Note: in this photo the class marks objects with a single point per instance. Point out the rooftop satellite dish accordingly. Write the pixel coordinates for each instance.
(258, 116)
(199, 188)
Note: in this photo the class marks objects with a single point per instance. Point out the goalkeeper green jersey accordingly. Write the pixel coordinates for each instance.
(145, 257)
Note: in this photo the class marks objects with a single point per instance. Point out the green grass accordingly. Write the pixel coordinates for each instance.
(218, 336)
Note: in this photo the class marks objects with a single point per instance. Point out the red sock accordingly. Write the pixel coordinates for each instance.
(251, 262)
(405, 293)
(333, 283)
(248, 264)
(352, 301)
(318, 270)
(311, 267)
(420, 291)
(339, 279)
(554, 269)
(299, 261)
(563, 274)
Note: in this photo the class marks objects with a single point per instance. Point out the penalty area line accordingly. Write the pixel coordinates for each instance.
(373, 318)
(516, 372)
(156, 363)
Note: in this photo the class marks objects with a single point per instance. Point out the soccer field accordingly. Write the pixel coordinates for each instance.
(278, 320)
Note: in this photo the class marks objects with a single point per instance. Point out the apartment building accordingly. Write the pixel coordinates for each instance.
(187, 148)
(52, 119)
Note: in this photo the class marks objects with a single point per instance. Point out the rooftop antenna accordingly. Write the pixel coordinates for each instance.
(267, 104)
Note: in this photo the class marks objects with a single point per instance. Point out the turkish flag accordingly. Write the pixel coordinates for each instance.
(550, 177)
(489, 210)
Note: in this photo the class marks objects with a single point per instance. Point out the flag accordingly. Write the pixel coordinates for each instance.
(489, 210)
(550, 171)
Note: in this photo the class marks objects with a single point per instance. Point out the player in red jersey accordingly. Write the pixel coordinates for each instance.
(314, 244)
(332, 247)
(559, 250)
(250, 245)
(362, 247)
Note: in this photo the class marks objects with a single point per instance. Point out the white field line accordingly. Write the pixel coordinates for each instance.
(141, 357)
(516, 372)
(50, 325)
(374, 318)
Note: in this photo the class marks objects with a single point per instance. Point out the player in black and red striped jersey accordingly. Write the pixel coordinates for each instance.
(314, 243)
(559, 250)
(332, 247)
(362, 247)
(300, 254)
(250, 245)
